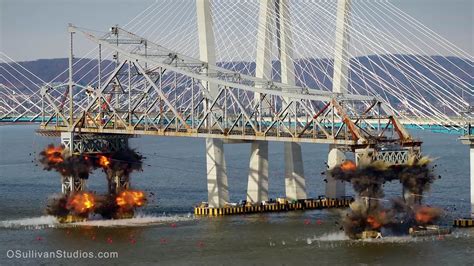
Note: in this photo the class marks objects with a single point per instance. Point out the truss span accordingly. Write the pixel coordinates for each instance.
(156, 91)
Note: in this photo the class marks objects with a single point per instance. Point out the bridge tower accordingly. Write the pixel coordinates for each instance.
(257, 187)
(218, 193)
(334, 188)
(274, 14)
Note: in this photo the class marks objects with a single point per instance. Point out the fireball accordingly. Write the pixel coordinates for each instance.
(348, 166)
(104, 161)
(54, 154)
(426, 215)
(129, 199)
(81, 203)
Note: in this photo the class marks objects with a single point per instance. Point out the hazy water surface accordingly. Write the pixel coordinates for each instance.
(166, 232)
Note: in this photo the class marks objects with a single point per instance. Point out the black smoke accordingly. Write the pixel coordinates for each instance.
(371, 212)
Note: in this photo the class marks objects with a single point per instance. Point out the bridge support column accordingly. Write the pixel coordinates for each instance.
(295, 184)
(217, 188)
(216, 170)
(468, 139)
(471, 151)
(335, 188)
(257, 189)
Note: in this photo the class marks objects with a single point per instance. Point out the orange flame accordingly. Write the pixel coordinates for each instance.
(425, 215)
(372, 221)
(104, 161)
(81, 202)
(348, 166)
(375, 221)
(129, 199)
(54, 154)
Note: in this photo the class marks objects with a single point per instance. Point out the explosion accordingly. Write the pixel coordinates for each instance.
(129, 199)
(348, 166)
(81, 203)
(121, 205)
(425, 215)
(118, 168)
(119, 202)
(56, 158)
(368, 214)
(104, 161)
(52, 155)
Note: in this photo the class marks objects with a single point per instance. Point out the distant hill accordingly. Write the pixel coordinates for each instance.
(51, 69)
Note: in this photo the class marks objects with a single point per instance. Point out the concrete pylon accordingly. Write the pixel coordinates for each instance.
(257, 188)
(263, 62)
(217, 187)
(218, 193)
(341, 47)
(472, 178)
(295, 184)
(335, 188)
(468, 139)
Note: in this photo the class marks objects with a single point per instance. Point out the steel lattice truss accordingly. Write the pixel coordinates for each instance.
(155, 91)
(418, 88)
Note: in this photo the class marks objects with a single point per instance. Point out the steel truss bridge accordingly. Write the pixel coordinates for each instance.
(294, 114)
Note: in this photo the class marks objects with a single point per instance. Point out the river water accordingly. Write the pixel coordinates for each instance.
(166, 232)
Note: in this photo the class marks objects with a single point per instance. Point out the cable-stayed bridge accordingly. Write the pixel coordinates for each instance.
(352, 74)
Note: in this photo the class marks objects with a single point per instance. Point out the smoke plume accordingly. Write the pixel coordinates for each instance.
(370, 212)
(57, 159)
(119, 165)
(119, 202)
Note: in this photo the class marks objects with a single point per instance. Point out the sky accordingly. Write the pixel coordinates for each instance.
(37, 29)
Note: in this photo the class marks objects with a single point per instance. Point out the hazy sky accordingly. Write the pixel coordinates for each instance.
(33, 29)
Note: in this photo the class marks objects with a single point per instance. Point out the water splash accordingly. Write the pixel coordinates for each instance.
(337, 236)
(31, 223)
(341, 237)
(52, 222)
(139, 220)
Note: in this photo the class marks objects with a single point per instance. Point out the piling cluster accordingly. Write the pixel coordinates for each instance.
(307, 204)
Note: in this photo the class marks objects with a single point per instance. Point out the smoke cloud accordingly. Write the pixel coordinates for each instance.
(370, 212)
(119, 202)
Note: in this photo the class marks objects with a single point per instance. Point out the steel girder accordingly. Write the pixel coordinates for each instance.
(161, 92)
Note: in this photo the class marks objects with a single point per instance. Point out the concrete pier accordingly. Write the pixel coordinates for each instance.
(468, 139)
(472, 178)
(295, 184)
(257, 188)
(217, 187)
(335, 188)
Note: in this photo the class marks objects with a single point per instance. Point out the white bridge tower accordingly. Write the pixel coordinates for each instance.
(273, 14)
(335, 188)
